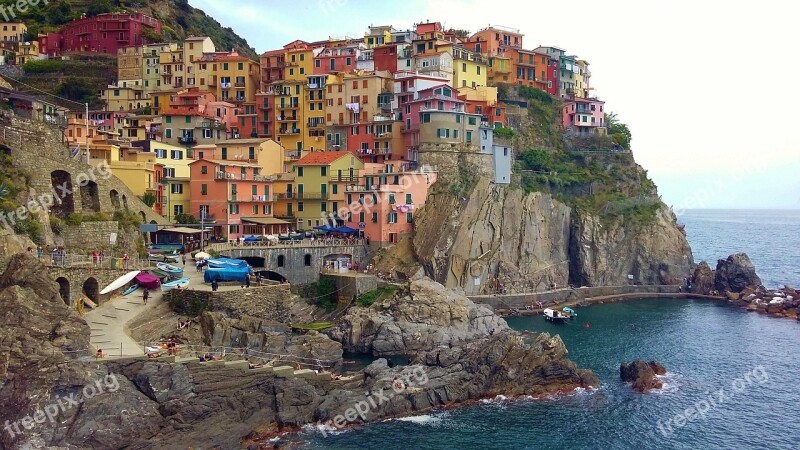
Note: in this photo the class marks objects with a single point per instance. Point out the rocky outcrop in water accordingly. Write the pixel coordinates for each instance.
(498, 239)
(642, 375)
(420, 318)
(702, 280)
(735, 273)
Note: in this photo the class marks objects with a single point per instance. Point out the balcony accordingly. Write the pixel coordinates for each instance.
(287, 119)
(235, 198)
(212, 81)
(382, 136)
(286, 131)
(316, 124)
(292, 155)
(187, 140)
(302, 196)
(240, 84)
(225, 85)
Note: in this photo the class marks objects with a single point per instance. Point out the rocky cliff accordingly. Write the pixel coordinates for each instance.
(499, 239)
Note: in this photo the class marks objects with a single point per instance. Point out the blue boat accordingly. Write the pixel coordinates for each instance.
(571, 312)
(177, 284)
(130, 290)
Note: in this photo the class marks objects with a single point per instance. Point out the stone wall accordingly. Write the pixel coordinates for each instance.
(83, 281)
(449, 160)
(90, 235)
(264, 302)
(293, 266)
(567, 295)
(350, 286)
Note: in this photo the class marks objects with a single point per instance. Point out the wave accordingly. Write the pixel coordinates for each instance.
(324, 429)
(425, 419)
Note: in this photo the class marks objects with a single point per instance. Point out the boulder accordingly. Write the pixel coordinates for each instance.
(735, 274)
(703, 279)
(642, 375)
(424, 316)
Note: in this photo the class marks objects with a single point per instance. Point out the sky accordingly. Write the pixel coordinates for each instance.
(703, 84)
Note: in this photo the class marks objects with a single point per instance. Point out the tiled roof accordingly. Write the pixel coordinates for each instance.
(321, 158)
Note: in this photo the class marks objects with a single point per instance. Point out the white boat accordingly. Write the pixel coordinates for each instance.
(172, 270)
(177, 284)
(120, 282)
(555, 315)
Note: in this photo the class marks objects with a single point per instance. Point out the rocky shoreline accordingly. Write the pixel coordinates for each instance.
(461, 352)
(736, 281)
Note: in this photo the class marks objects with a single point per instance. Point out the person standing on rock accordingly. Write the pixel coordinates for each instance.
(146, 295)
(125, 261)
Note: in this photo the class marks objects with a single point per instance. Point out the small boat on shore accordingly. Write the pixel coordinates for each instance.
(570, 312)
(177, 284)
(130, 290)
(555, 315)
(172, 270)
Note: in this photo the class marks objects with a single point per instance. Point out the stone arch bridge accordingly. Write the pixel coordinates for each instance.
(76, 282)
(299, 263)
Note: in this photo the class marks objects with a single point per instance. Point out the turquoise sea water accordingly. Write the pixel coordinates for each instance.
(740, 369)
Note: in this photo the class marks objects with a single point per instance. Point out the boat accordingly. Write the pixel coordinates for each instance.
(555, 315)
(131, 289)
(120, 282)
(172, 270)
(179, 284)
(570, 312)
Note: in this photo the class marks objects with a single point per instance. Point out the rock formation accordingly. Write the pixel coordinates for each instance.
(703, 279)
(499, 239)
(735, 273)
(642, 375)
(268, 339)
(425, 316)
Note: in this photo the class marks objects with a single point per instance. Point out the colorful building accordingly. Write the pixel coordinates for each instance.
(319, 186)
(379, 35)
(547, 69)
(13, 33)
(124, 97)
(27, 51)
(103, 33)
(382, 204)
(483, 102)
(234, 197)
(470, 69)
(584, 116)
(175, 195)
(496, 40)
(130, 61)
(441, 99)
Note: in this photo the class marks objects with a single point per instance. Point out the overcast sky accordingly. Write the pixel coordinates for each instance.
(708, 87)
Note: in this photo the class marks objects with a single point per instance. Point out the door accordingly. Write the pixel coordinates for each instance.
(300, 191)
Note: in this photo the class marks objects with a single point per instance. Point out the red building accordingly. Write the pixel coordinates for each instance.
(104, 33)
(343, 58)
(385, 58)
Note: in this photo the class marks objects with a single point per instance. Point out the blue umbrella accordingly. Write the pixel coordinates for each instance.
(250, 239)
(327, 228)
(345, 230)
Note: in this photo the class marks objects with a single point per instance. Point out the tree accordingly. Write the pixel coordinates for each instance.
(149, 199)
(618, 131)
(186, 219)
(98, 7)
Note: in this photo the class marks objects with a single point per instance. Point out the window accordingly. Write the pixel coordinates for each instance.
(409, 217)
(207, 134)
(203, 189)
(363, 83)
(458, 118)
(498, 112)
(224, 153)
(391, 199)
(426, 118)
(299, 171)
(307, 258)
(323, 171)
(455, 134)
(251, 153)
(464, 67)
(408, 199)
(323, 207)
(176, 154)
(177, 209)
(300, 206)
(473, 120)
(392, 217)
(334, 189)
(317, 64)
(281, 260)
(204, 169)
(469, 137)
(234, 208)
(176, 188)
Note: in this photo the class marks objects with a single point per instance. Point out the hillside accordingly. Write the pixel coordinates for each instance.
(82, 78)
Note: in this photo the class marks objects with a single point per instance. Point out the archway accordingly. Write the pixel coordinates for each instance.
(254, 261)
(90, 196)
(281, 261)
(64, 203)
(114, 198)
(5, 150)
(271, 275)
(307, 260)
(63, 289)
(125, 201)
(91, 289)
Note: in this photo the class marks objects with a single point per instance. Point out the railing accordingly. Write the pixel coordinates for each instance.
(317, 242)
(292, 154)
(75, 261)
(239, 84)
(187, 140)
(250, 199)
(225, 85)
(302, 195)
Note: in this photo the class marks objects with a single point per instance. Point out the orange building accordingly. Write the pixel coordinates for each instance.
(494, 41)
(234, 197)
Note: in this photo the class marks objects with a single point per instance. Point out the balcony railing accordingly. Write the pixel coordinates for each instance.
(187, 140)
(292, 154)
(302, 196)
(239, 84)
(236, 198)
(225, 85)
(288, 131)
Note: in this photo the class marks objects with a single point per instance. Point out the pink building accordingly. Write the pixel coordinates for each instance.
(441, 97)
(104, 33)
(383, 204)
(584, 116)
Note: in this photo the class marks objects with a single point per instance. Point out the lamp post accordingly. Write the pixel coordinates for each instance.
(202, 228)
(168, 187)
(87, 133)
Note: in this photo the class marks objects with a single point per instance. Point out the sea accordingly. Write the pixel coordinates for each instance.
(732, 376)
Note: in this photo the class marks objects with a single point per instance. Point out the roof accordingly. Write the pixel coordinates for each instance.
(321, 158)
(265, 220)
(196, 38)
(181, 230)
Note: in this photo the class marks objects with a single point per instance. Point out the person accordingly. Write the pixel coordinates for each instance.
(39, 252)
(101, 257)
(100, 354)
(214, 285)
(247, 281)
(491, 332)
(146, 295)
(95, 256)
(54, 256)
(198, 266)
(125, 261)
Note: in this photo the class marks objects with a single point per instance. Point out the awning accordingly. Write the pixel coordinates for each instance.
(265, 221)
(181, 230)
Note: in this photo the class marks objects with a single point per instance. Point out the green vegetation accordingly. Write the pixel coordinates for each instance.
(75, 219)
(30, 227)
(186, 219)
(535, 94)
(149, 199)
(316, 326)
(368, 299)
(505, 133)
(618, 131)
(127, 220)
(56, 224)
(189, 304)
(326, 293)
(43, 66)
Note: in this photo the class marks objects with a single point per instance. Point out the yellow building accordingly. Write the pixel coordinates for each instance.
(500, 70)
(236, 77)
(581, 78)
(486, 94)
(12, 32)
(470, 69)
(316, 193)
(171, 67)
(28, 51)
(379, 35)
(198, 74)
(133, 167)
(175, 177)
(130, 61)
(151, 68)
(125, 98)
(268, 154)
(355, 97)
